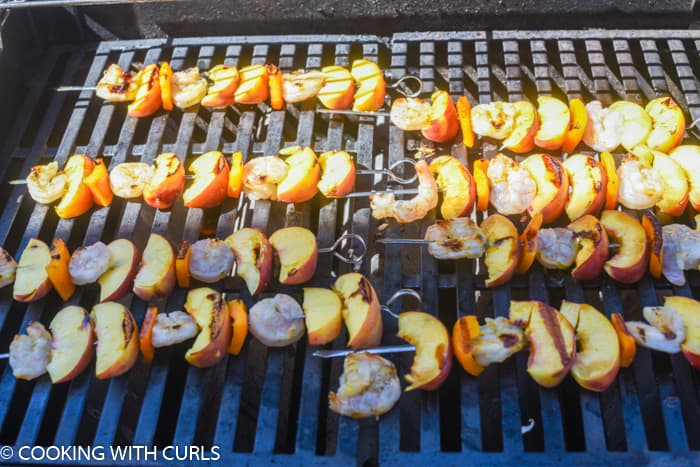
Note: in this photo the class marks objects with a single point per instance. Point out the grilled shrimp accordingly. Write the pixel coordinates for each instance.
(88, 263)
(639, 187)
(681, 251)
(299, 86)
(495, 120)
(173, 328)
(455, 239)
(128, 179)
(385, 205)
(556, 248)
(665, 332)
(277, 321)
(46, 184)
(498, 339)
(188, 87)
(8, 267)
(368, 387)
(512, 186)
(30, 353)
(210, 260)
(261, 176)
(604, 128)
(116, 85)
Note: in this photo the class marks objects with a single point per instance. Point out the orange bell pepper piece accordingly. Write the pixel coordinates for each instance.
(528, 244)
(146, 335)
(274, 76)
(608, 163)
(148, 98)
(464, 333)
(482, 184)
(652, 226)
(235, 175)
(464, 114)
(182, 265)
(57, 270)
(628, 346)
(98, 183)
(239, 317)
(165, 77)
(577, 125)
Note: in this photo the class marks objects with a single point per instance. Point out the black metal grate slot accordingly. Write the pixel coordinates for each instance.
(270, 405)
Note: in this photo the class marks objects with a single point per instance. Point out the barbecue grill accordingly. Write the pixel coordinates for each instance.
(270, 405)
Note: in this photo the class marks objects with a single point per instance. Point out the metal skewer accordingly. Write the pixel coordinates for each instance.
(331, 353)
(390, 172)
(74, 88)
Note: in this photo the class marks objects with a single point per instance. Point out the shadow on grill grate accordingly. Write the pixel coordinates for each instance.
(268, 403)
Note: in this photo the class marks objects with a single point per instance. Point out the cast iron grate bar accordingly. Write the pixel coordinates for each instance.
(270, 405)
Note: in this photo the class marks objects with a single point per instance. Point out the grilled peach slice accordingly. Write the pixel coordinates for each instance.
(443, 124)
(554, 118)
(116, 85)
(668, 124)
(689, 311)
(410, 114)
(433, 358)
(552, 186)
(211, 314)
(167, 183)
(221, 92)
(371, 87)
(361, 312)
(688, 157)
(156, 275)
(253, 258)
(253, 87)
(32, 279)
(551, 337)
(78, 198)
(502, 249)
(588, 181)
(274, 82)
(628, 346)
(339, 88)
(146, 335)
(147, 100)
(597, 358)
(117, 339)
(653, 228)
(210, 185)
(117, 280)
(72, 344)
(297, 251)
(525, 127)
(675, 185)
(636, 123)
(300, 183)
(457, 186)
(338, 174)
(629, 263)
(324, 318)
(607, 162)
(592, 247)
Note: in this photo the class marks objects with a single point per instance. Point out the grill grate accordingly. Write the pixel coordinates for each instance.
(269, 405)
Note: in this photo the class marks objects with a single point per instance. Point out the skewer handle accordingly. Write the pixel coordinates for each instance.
(372, 350)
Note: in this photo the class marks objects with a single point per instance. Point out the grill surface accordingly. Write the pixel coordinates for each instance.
(269, 405)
